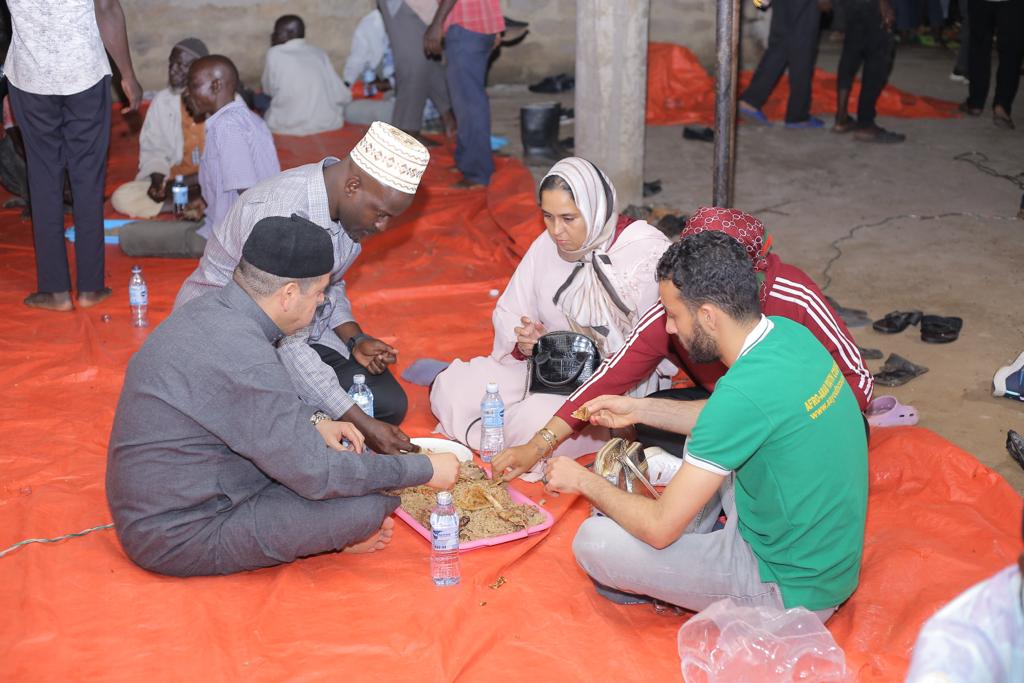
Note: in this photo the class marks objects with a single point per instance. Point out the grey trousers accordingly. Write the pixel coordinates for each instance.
(169, 239)
(416, 77)
(273, 527)
(699, 569)
(365, 112)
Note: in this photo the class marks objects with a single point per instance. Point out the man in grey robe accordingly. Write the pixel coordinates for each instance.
(350, 199)
(214, 465)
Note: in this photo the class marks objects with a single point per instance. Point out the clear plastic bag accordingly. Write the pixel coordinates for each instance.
(728, 643)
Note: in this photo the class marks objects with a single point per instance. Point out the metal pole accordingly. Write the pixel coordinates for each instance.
(727, 38)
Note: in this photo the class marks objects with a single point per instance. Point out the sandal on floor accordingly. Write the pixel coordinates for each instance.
(938, 330)
(969, 110)
(897, 371)
(870, 354)
(1015, 446)
(897, 321)
(844, 126)
(886, 411)
(852, 317)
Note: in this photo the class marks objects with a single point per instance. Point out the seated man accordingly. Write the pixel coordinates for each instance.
(781, 440)
(306, 94)
(784, 290)
(239, 152)
(371, 56)
(170, 143)
(978, 637)
(350, 199)
(214, 464)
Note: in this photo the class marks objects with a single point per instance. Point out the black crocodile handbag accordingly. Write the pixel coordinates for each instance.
(562, 362)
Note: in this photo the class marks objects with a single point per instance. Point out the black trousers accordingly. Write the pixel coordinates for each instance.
(867, 42)
(792, 44)
(670, 441)
(66, 133)
(389, 400)
(1005, 20)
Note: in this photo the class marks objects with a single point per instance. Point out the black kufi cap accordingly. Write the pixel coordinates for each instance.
(292, 247)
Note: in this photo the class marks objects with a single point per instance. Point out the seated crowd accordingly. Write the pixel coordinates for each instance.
(245, 430)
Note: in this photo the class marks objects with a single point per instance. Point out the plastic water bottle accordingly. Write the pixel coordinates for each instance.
(369, 78)
(361, 394)
(138, 298)
(179, 196)
(444, 541)
(492, 419)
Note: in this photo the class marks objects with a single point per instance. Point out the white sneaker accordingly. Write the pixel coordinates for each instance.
(958, 78)
(1009, 380)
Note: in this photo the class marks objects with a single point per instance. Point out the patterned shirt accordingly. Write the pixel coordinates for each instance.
(238, 153)
(298, 190)
(481, 16)
(56, 47)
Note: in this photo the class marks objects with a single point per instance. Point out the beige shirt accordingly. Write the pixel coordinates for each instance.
(308, 95)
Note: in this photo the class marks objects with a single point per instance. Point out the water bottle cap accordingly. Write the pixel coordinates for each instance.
(136, 269)
(492, 387)
(359, 379)
(444, 497)
(179, 178)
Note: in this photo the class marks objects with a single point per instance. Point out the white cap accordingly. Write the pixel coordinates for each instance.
(391, 157)
(359, 379)
(444, 497)
(492, 387)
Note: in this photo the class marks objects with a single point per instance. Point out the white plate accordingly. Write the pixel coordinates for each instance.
(444, 446)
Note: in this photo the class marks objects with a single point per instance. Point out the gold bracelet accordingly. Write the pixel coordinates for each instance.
(550, 439)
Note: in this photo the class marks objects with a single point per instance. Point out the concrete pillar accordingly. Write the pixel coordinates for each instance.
(611, 90)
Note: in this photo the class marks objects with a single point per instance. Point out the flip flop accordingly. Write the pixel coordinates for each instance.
(752, 114)
(897, 371)
(886, 411)
(936, 329)
(1015, 446)
(870, 354)
(896, 322)
(852, 317)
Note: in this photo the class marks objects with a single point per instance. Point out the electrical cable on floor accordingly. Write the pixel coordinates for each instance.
(976, 159)
(55, 539)
(827, 276)
(979, 163)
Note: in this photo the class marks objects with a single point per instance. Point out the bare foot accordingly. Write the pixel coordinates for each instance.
(87, 299)
(377, 541)
(51, 301)
(450, 126)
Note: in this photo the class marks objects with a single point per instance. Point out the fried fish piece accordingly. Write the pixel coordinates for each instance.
(581, 413)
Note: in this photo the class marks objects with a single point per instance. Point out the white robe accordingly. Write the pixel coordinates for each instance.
(307, 95)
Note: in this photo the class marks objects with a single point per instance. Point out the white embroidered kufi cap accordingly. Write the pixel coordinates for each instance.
(391, 157)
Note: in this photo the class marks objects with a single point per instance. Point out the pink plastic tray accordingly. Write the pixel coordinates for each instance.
(516, 497)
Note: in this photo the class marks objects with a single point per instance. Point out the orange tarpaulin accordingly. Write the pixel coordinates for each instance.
(679, 91)
(938, 521)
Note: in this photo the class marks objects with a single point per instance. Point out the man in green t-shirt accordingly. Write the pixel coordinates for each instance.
(781, 440)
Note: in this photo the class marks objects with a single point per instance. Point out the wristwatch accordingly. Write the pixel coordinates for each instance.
(318, 417)
(355, 339)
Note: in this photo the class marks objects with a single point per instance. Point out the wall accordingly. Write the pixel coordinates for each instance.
(241, 30)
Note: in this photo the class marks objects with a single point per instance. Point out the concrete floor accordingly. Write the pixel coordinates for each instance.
(938, 234)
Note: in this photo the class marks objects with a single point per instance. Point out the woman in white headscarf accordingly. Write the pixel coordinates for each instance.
(592, 272)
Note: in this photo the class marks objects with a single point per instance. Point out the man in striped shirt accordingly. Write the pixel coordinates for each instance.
(785, 291)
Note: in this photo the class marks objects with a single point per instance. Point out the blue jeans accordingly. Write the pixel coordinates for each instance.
(467, 53)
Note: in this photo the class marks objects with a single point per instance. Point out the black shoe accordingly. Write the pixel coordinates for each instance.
(553, 84)
(897, 371)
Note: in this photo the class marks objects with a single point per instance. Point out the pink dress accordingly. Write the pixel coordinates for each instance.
(456, 394)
